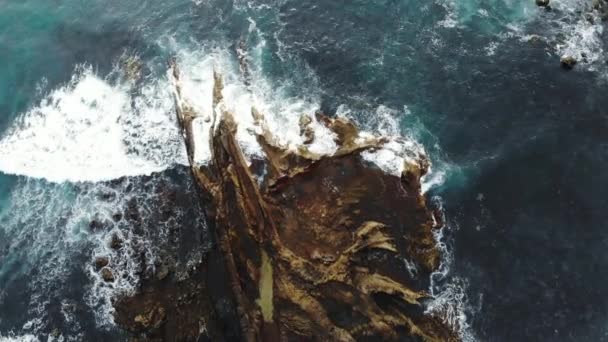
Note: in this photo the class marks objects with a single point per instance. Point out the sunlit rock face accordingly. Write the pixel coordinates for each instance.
(315, 245)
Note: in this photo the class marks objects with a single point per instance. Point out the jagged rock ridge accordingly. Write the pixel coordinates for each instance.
(310, 246)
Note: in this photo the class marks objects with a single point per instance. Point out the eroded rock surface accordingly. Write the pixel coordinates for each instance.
(308, 246)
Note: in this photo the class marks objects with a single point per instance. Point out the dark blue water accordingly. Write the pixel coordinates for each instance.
(518, 143)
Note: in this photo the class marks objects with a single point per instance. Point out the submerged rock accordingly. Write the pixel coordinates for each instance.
(132, 67)
(98, 224)
(115, 241)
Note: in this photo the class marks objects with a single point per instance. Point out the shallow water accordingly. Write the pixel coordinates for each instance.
(517, 143)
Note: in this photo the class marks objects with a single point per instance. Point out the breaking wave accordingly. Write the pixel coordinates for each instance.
(93, 129)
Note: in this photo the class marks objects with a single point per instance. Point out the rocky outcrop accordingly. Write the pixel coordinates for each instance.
(308, 246)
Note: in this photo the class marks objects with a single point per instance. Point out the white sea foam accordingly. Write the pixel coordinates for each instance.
(281, 111)
(584, 35)
(449, 301)
(19, 338)
(44, 231)
(92, 130)
(54, 222)
(576, 31)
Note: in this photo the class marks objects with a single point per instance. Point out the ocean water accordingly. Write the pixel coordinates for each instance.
(517, 143)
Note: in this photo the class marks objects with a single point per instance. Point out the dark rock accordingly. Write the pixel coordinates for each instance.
(99, 224)
(115, 242)
(132, 212)
(107, 275)
(107, 196)
(297, 241)
(101, 262)
(132, 67)
(568, 62)
(542, 3)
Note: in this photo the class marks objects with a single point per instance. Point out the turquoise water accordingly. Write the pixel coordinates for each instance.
(517, 144)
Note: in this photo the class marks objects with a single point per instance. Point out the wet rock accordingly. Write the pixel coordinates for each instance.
(107, 275)
(542, 3)
(101, 262)
(98, 224)
(179, 309)
(115, 241)
(568, 62)
(312, 251)
(117, 217)
(315, 250)
(107, 196)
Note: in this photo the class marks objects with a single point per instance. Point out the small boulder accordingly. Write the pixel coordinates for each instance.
(107, 275)
(101, 262)
(568, 62)
(115, 242)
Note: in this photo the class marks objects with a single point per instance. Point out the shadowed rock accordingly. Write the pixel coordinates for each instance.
(568, 62)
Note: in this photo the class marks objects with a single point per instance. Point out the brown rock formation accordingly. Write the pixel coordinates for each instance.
(308, 246)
